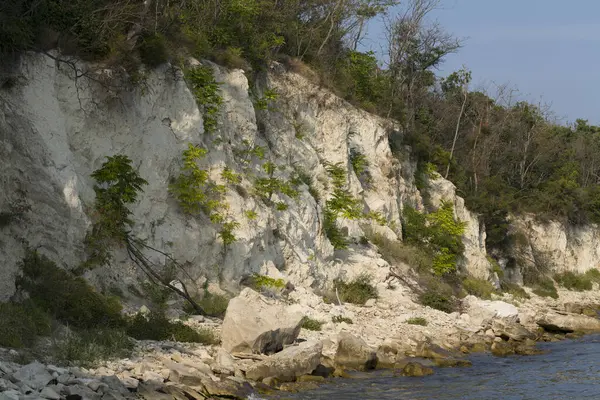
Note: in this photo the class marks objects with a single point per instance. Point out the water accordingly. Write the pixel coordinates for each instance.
(571, 370)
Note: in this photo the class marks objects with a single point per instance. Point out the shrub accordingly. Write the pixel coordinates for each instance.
(545, 288)
(157, 327)
(206, 91)
(21, 324)
(573, 281)
(515, 290)
(438, 301)
(357, 291)
(395, 251)
(478, 287)
(417, 321)
(359, 162)
(251, 214)
(311, 324)
(339, 319)
(153, 50)
(593, 275)
(213, 305)
(69, 299)
(88, 347)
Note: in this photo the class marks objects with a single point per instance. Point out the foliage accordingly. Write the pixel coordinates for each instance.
(395, 251)
(197, 193)
(573, 281)
(266, 187)
(437, 231)
(88, 347)
(259, 282)
(69, 299)
(515, 290)
(118, 184)
(21, 324)
(359, 162)
(438, 301)
(332, 231)
(339, 319)
(206, 91)
(593, 275)
(417, 321)
(214, 305)
(153, 50)
(544, 287)
(311, 324)
(264, 102)
(251, 215)
(230, 176)
(357, 291)
(478, 287)
(157, 327)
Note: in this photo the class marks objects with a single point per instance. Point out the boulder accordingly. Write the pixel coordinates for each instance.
(228, 388)
(287, 365)
(224, 363)
(565, 322)
(511, 330)
(415, 369)
(255, 324)
(480, 310)
(502, 349)
(33, 375)
(354, 353)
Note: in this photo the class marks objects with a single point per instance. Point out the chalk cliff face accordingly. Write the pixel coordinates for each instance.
(56, 129)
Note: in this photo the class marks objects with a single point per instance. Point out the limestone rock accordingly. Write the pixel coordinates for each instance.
(228, 388)
(354, 353)
(565, 323)
(416, 369)
(255, 324)
(49, 394)
(502, 348)
(33, 375)
(287, 365)
(511, 330)
(485, 310)
(224, 362)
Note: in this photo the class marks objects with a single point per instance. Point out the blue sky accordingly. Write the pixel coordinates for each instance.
(548, 49)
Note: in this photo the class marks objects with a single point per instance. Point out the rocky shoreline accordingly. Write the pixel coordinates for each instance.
(264, 347)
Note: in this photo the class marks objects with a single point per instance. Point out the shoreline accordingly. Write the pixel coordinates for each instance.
(377, 338)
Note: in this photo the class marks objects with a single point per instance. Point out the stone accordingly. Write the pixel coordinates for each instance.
(452, 362)
(224, 363)
(115, 384)
(511, 330)
(9, 395)
(228, 388)
(416, 369)
(49, 394)
(370, 303)
(481, 311)
(152, 376)
(185, 375)
(556, 322)
(84, 392)
(354, 353)
(33, 375)
(287, 365)
(255, 324)
(502, 349)
(60, 371)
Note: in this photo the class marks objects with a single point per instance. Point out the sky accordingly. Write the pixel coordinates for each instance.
(547, 49)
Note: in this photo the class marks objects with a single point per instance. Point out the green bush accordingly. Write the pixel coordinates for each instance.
(545, 288)
(311, 324)
(572, 281)
(69, 299)
(515, 290)
(206, 91)
(339, 319)
(437, 300)
(395, 251)
(593, 275)
(153, 50)
(417, 321)
(88, 347)
(259, 282)
(213, 305)
(478, 287)
(157, 327)
(357, 291)
(21, 324)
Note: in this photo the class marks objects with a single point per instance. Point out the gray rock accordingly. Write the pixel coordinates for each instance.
(255, 324)
(115, 384)
(85, 392)
(566, 322)
(9, 395)
(354, 353)
(287, 365)
(224, 363)
(33, 375)
(185, 375)
(49, 394)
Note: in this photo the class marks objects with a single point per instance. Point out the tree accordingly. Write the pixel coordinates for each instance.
(457, 82)
(118, 185)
